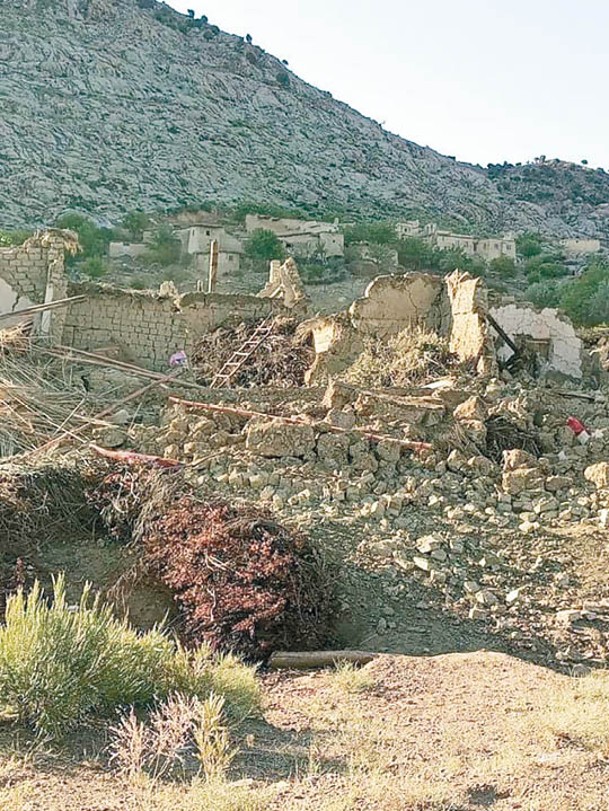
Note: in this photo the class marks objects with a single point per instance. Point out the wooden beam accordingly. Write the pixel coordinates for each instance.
(310, 660)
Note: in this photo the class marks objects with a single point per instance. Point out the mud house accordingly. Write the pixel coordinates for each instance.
(301, 238)
(486, 248)
(580, 247)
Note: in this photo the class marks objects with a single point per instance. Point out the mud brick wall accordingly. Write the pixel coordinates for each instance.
(149, 328)
(25, 269)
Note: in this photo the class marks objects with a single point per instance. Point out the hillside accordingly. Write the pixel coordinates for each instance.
(108, 106)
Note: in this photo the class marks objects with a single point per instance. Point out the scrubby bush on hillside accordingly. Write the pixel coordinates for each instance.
(60, 664)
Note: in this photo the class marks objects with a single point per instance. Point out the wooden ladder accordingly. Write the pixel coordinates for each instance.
(223, 378)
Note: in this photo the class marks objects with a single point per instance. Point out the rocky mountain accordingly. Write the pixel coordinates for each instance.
(110, 105)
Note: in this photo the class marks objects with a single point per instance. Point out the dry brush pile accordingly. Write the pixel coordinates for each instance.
(243, 583)
(281, 360)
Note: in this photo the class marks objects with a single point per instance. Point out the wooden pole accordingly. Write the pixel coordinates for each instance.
(105, 413)
(213, 266)
(40, 308)
(309, 660)
(241, 412)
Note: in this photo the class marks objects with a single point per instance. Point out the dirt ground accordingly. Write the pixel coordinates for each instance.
(455, 732)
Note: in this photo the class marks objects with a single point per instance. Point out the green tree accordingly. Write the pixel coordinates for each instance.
(582, 297)
(136, 222)
(165, 248)
(93, 240)
(264, 246)
(380, 233)
(415, 254)
(528, 245)
(544, 294)
(504, 266)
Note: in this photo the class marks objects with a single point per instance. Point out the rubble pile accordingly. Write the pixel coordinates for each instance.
(438, 474)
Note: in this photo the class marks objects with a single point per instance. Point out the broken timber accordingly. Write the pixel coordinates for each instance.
(241, 412)
(309, 660)
(40, 308)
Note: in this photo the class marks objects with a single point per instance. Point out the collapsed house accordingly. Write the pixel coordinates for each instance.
(148, 326)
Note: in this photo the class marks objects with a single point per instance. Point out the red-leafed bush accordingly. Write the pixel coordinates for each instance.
(243, 582)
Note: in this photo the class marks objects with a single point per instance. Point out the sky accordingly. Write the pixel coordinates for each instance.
(482, 80)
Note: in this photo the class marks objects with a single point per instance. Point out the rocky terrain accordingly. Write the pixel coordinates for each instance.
(109, 106)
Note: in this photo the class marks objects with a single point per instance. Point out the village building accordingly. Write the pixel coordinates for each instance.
(301, 238)
(580, 247)
(486, 248)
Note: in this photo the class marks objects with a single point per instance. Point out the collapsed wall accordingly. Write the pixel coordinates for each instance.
(547, 332)
(34, 273)
(454, 306)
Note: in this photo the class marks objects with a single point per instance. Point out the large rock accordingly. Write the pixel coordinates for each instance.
(275, 438)
(473, 408)
(598, 474)
(522, 480)
(516, 458)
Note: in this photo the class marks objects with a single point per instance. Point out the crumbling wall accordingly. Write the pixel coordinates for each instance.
(467, 325)
(563, 347)
(24, 270)
(34, 273)
(149, 327)
(392, 303)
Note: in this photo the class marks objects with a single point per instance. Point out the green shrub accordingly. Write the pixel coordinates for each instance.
(504, 266)
(9, 239)
(94, 267)
(135, 223)
(528, 245)
(263, 246)
(415, 254)
(583, 298)
(544, 294)
(165, 248)
(378, 233)
(93, 240)
(59, 664)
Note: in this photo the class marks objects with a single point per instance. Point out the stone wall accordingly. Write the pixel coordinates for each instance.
(148, 327)
(455, 307)
(467, 326)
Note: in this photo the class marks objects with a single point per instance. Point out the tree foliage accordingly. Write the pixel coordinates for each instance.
(264, 246)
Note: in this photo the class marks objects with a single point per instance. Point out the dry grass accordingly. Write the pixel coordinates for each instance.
(454, 733)
(411, 357)
(348, 678)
